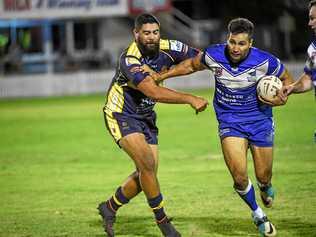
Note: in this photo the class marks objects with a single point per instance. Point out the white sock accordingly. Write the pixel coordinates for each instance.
(244, 192)
(258, 213)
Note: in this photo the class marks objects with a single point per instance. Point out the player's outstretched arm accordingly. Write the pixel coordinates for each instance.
(287, 79)
(303, 84)
(186, 67)
(165, 95)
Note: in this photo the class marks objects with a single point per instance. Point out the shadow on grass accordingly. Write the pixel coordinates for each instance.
(131, 226)
(206, 226)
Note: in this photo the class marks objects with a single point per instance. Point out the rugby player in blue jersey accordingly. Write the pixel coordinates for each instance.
(244, 120)
(130, 118)
(308, 79)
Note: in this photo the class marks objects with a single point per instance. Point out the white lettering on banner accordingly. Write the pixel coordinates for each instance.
(87, 4)
(45, 9)
(106, 2)
(69, 4)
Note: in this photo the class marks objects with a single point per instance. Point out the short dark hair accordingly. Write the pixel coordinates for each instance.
(241, 25)
(144, 19)
(311, 3)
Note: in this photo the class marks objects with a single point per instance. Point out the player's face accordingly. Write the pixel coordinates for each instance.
(147, 38)
(238, 46)
(312, 18)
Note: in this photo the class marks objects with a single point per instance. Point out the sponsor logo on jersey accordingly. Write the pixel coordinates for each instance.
(252, 76)
(176, 45)
(218, 71)
(135, 69)
(125, 125)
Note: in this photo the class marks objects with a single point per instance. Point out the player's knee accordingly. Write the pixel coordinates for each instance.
(264, 180)
(240, 182)
(264, 176)
(147, 164)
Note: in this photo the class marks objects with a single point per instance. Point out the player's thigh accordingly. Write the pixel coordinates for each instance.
(235, 154)
(136, 146)
(154, 149)
(263, 161)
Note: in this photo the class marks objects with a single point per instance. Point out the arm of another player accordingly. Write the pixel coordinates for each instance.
(281, 98)
(287, 79)
(303, 84)
(186, 67)
(165, 95)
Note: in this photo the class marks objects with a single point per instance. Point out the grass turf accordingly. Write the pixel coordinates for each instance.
(57, 162)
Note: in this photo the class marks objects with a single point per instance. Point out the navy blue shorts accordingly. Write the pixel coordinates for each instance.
(120, 125)
(259, 133)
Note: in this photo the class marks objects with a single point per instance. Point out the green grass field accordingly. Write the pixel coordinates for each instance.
(57, 162)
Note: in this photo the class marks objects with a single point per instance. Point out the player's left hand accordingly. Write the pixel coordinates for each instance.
(146, 68)
(154, 75)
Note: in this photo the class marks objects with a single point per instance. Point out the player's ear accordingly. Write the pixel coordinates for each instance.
(227, 37)
(251, 41)
(136, 34)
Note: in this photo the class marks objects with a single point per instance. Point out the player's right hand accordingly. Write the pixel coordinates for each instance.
(199, 104)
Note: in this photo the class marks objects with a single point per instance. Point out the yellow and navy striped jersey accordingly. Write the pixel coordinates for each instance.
(123, 96)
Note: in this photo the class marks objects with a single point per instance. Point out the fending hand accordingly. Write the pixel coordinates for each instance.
(199, 104)
(154, 75)
(146, 68)
(287, 90)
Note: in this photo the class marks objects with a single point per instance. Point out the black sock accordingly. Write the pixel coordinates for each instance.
(117, 200)
(157, 206)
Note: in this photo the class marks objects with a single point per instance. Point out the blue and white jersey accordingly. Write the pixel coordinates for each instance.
(310, 66)
(235, 98)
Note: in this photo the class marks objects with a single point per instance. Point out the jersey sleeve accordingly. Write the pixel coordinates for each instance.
(309, 69)
(276, 68)
(203, 61)
(210, 53)
(130, 68)
(181, 51)
(308, 66)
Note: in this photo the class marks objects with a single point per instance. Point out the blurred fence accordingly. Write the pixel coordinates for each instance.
(42, 85)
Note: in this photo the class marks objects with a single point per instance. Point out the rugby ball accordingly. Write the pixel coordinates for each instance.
(268, 86)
